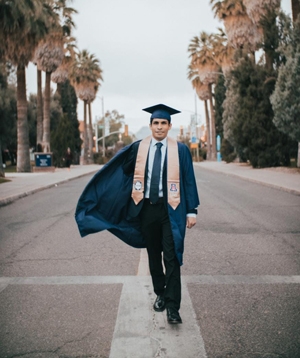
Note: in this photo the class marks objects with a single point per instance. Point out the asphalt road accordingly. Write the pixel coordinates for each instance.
(60, 294)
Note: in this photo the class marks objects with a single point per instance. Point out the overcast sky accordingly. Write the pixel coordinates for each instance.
(142, 47)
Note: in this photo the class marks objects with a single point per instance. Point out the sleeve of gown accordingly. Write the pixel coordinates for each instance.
(189, 182)
(129, 162)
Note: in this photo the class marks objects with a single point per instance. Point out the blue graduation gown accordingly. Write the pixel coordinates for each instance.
(106, 199)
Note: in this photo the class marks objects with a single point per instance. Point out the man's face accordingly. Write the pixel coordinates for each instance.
(160, 128)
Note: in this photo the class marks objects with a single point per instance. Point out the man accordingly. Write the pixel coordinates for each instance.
(151, 200)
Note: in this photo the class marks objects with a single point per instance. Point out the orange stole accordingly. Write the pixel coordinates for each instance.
(173, 180)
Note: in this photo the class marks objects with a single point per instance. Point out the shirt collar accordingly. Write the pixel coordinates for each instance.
(154, 141)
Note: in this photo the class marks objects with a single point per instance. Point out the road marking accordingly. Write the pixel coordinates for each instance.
(200, 279)
(143, 269)
(240, 279)
(142, 332)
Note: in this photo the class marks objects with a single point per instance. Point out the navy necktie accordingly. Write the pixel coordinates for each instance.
(154, 185)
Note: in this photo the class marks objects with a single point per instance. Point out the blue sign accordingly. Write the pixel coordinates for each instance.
(218, 143)
(43, 160)
(194, 140)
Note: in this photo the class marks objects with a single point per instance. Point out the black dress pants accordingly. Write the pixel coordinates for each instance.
(156, 229)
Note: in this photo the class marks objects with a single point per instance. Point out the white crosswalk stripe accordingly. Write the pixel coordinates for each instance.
(140, 332)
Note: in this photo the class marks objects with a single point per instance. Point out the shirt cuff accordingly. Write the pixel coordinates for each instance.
(191, 215)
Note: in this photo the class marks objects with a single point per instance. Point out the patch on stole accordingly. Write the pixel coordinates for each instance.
(173, 187)
(137, 185)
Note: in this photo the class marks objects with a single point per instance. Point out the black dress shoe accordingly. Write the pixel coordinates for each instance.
(173, 316)
(159, 304)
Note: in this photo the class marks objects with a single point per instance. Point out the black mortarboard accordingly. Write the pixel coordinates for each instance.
(161, 111)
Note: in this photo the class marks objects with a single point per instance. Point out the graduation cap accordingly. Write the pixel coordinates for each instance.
(161, 111)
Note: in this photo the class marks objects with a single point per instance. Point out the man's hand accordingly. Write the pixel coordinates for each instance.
(190, 222)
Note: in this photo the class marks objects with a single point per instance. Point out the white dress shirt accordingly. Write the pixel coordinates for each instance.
(151, 155)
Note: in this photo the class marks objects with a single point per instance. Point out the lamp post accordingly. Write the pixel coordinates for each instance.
(103, 131)
(96, 132)
(194, 140)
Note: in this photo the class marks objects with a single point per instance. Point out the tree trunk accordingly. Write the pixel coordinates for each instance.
(2, 172)
(23, 157)
(295, 9)
(296, 12)
(85, 135)
(39, 112)
(252, 57)
(58, 89)
(208, 152)
(46, 122)
(91, 157)
(298, 158)
(269, 61)
(213, 126)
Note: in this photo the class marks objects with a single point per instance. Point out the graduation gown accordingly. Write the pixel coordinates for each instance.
(106, 202)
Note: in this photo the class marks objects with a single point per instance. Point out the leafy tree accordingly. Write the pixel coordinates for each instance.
(55, 112)
(49, 55)
(61, 139)
(295, 9)
(66, 104)
(285, 98)
(22, 25)
(8, 115)
(115, 121)
(115, 124)
(271, 38)
(227, 151)
(252, 127)
(220, 94)
(32, 118)
(64, 124)
(69, 106)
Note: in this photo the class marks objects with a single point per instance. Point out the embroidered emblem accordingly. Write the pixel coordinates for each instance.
(137, 185)
(173, 187)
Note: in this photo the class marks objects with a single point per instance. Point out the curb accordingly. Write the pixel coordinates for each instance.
(257, 181)
(11, 199)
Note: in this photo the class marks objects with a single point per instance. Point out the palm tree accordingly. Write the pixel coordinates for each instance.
(202, 59)
(39, 112)
(90, 126)
(203, 92)
(263, 13)
(23, 24)
(224, 53)
(61, 74)
(49, 56)
(256, 9)
(242, 33)
(86, 75)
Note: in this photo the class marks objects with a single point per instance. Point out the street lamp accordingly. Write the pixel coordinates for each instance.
(103, 143)
(103, 129)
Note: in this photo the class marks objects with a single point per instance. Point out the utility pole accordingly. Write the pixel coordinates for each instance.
(196, 116)
(103, 149)
(196, 108)
(96, 132)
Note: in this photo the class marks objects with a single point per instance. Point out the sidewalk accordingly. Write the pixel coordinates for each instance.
(287, 179)
(23, 184)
